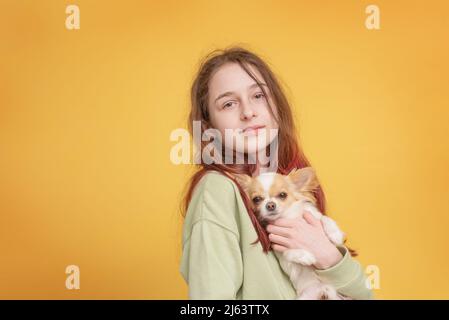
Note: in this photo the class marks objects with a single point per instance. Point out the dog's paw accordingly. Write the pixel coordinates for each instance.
(336, 238)
(300, 256)
(328, 293)
(319, 292)
(333, 232)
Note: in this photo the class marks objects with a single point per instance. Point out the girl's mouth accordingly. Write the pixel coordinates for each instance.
(252, 131)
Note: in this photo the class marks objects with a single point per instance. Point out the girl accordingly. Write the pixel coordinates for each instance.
(235, 90)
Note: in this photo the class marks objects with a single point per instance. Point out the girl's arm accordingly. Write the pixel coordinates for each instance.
(347, 277)
(211, 260)
(334, 264)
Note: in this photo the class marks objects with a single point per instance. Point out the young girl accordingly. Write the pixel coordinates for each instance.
(236, 90)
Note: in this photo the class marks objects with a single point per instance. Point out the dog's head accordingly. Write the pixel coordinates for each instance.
(271, 194)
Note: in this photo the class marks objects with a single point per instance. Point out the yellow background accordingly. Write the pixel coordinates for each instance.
(85, 119)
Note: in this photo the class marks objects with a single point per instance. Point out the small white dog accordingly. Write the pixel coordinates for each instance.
(274, 196)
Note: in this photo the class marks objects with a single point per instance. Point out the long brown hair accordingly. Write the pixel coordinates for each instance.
(290, 156)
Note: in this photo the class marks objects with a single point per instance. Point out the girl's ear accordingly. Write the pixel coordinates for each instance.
(243, 180)
(304, 179)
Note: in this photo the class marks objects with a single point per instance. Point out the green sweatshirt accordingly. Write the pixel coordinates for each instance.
(219, 262)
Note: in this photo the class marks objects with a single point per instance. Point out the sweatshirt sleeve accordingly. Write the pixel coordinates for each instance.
(215, 269)
(212, 260)
(347, 277)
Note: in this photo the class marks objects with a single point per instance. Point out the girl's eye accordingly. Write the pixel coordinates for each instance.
(259, 95)
(227, 104)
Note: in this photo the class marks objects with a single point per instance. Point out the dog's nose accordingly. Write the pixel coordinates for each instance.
(270, 206)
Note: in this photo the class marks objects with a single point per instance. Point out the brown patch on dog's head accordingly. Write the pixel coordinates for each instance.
(305, 182)
(253, 189)
(271, 194)
(283, 191)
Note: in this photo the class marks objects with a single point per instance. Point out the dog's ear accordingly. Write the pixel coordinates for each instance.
(304, 179)
(243, 180)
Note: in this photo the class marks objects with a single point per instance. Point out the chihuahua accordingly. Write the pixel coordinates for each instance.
(276, 196)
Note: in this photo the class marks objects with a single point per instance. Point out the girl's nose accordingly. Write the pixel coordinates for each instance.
(247, 112)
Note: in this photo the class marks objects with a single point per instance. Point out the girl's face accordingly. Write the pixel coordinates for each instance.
(237, 103)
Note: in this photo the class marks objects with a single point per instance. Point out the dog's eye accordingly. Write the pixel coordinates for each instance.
(257, 199)
(282, 195)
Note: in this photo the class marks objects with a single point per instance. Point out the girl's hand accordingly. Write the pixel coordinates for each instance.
(305, 233)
